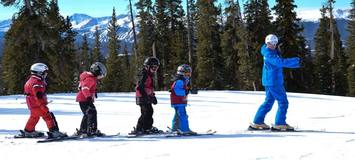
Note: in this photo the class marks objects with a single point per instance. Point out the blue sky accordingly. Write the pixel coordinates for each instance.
(97, 8)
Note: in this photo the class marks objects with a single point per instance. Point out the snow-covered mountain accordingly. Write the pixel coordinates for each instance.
(314, 14)
(85, 24)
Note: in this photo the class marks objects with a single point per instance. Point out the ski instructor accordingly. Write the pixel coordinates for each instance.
(272, 80)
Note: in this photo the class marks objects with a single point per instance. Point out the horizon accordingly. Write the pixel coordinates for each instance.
(95, 8)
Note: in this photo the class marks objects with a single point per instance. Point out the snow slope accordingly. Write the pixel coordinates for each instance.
(228, 112)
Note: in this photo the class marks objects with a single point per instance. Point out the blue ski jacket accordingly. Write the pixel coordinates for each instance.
(273, 66)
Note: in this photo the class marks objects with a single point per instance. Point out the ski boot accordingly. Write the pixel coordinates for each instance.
(282, 128)
(187, 133)
(153, 130)
(56, 134)
(96, 133)
(136, 131)
(79, 132)
(27, 134)
(255, 127)
(92, 132)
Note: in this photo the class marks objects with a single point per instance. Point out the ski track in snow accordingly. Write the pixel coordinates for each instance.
(325, 123)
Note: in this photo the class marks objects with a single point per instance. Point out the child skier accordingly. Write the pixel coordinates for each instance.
(86, 97)
(145, 97)
(272, 80)
(178, 98)
(36, 99)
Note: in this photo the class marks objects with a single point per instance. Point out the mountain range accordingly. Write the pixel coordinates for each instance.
(85, 24)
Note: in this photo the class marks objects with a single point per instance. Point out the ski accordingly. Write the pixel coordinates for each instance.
(273, 129)
(207, 133)
(294, 130)
(160, 134)
(59, 139)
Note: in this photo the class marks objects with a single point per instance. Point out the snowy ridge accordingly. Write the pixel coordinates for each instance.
(5, 25)
(314, 14)
(330, 119)
(85, 24)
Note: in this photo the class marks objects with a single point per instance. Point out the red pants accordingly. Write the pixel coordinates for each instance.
(36, 113)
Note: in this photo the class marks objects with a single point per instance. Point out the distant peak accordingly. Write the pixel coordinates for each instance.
(314, 14)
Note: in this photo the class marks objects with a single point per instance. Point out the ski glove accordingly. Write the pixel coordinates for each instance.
(154, 100)
(194, 91)
(89, 99)
(39, 95)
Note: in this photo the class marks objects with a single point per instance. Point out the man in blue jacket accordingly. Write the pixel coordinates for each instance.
(272, 80)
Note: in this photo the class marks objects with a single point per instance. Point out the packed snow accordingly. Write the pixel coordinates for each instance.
(329, 121)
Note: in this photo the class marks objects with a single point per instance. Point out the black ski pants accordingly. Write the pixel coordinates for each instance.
(89, 120)
(145, 121)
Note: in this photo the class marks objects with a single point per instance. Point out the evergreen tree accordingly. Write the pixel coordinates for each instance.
(39, 34)
(96, 52)
(337, 56)
(330, 72)
(178, 39)
(308, 74)
(322, 65)
(146, 34)
(229, 46)
(247, 64)
(127, 77)
(191, 18)
(113, 81)
(191, 28)
(62, 51)
(84, 55)
(291, 42)
(341, 85)
(69, 52)
(209, 61)
(351, 51)
(258, 25)
(25, 44)
(162, 40)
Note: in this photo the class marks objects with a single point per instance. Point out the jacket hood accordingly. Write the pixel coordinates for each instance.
(86, 74)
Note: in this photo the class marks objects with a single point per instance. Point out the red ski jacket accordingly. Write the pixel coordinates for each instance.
(35, 91)
(87, 87)
(145, 86)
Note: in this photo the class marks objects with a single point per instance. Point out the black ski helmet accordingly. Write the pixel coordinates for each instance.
(150, 61)
(98, 69)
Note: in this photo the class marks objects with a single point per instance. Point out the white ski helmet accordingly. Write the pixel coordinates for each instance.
(39, 69)
(272, 39)
(184, 68)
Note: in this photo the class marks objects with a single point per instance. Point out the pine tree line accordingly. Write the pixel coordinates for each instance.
(40, 34)
(221, 45)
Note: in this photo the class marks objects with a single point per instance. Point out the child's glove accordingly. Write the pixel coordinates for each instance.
(89, 99)
(194, 91)
(154, 100)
